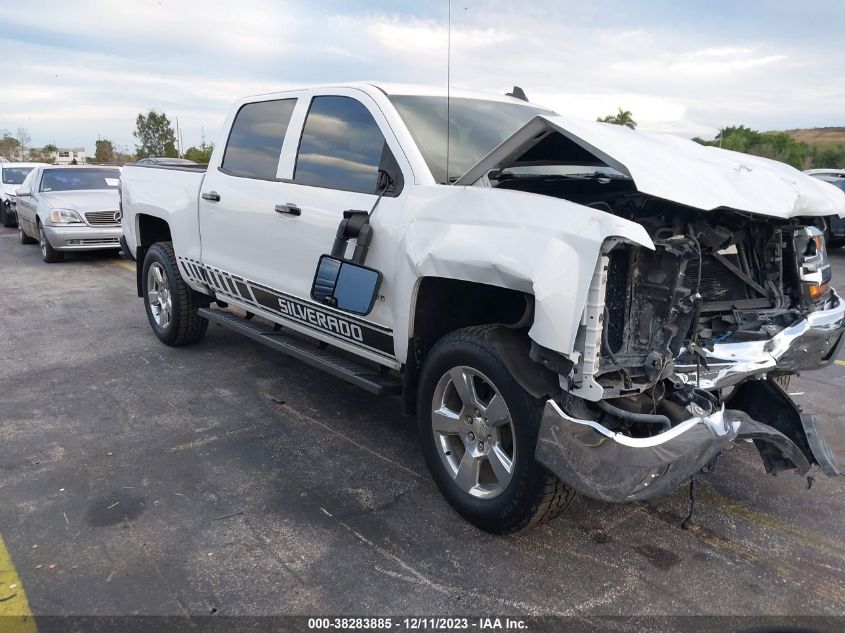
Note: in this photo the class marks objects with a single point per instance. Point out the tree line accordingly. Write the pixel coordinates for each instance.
(153, 130)
(781, 146)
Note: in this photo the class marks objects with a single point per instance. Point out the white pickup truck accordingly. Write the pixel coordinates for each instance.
(566, 306)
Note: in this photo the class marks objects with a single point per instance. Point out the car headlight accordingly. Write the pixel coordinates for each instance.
(811, 260)
(64, 216)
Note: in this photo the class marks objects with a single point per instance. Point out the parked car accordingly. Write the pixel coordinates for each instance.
(12, 176)
(834, 226)
(69, 208)
(163, 161)
(566, 306)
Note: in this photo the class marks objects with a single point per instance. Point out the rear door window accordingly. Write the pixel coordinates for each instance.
(256, 139)
(341, 147)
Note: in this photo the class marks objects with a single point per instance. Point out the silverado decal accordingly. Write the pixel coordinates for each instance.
(321, 320)
(314, 316)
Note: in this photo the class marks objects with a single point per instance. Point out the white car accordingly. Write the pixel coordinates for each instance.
(69, 208)
(12, 176)
(565, 305)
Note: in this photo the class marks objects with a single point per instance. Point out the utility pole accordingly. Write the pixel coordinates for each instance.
(178, 137)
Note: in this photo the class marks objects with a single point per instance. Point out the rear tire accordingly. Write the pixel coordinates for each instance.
(170, 303)
(23, 237)
(49, 254)
(463, 386)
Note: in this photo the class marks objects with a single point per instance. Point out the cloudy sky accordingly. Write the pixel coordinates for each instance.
(73, 71)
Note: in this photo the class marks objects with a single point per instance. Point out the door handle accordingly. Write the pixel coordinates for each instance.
(288, 209)
(211, 196)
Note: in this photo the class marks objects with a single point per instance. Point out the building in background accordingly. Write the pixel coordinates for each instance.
(66, 155)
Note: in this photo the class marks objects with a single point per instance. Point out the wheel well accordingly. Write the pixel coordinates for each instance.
(151, 230)
(446, 305)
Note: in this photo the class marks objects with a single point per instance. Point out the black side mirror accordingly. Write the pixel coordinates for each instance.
(344, 285)
(384, 181)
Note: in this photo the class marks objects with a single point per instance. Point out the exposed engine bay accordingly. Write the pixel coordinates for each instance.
(655, 320)
(681, 349)
(714, 277)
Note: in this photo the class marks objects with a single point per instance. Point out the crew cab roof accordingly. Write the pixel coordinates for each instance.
(389, 89)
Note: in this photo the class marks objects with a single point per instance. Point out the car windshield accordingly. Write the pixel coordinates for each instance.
(15, 175)
(79, 179)
(476, 127)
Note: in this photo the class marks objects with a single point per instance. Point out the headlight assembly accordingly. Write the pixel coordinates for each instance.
(64, 216)
(811, 261)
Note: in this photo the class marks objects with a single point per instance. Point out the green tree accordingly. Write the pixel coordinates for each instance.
(201, 154)
(9, 145)
(48, 153)
(155, 135)
(104, 151)
(623, 117)
(779, 146)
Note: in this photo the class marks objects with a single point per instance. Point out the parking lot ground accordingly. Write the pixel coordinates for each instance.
(226, 478)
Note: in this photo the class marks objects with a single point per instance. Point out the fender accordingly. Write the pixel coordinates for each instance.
(543, 246)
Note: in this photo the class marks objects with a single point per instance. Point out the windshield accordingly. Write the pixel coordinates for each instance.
(79, 179)
(15, 175)
(476, 127)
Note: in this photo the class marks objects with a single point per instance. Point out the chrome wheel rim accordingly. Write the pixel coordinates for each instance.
(158, 295)
(42, 241)
(473, 432)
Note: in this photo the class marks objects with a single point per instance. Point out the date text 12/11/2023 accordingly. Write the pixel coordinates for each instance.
(419, 623)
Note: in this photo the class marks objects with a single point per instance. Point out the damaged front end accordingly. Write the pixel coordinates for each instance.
(680, 347)
(679, 350)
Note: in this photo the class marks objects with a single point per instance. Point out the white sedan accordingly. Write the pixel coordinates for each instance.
(69, 208)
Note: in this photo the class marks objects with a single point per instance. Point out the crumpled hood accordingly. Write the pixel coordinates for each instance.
(679, 170)
(93, 200)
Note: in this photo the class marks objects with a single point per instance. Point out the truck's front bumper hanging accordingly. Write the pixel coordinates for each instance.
(610, 466)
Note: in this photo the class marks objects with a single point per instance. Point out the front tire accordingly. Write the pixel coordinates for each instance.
(478, 431)
(49, 254)
(23, 237)
(170, 303)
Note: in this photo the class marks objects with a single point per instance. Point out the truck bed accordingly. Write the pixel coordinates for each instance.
(168, 193)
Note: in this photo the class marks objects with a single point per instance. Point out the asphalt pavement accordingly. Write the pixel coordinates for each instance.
(226, 478)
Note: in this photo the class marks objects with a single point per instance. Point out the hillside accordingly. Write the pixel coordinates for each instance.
(803, 149)
(822, 137)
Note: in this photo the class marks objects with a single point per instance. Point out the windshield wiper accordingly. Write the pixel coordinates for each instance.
(509, 175)
(595, 175)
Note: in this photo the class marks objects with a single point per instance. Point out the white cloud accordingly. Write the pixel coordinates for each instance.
(86, 68)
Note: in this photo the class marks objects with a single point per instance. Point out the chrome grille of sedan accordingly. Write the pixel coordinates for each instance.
(103, 218)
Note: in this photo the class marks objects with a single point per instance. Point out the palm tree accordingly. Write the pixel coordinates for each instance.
(623, 117)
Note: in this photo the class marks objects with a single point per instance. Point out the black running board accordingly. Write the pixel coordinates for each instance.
(364, 377)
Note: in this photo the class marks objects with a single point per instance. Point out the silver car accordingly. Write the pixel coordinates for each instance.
(69, 208)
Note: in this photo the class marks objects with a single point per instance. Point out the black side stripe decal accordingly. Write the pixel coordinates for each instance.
(349, 329)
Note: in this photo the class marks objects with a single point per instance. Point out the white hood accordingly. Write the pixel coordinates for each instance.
(680, 170)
